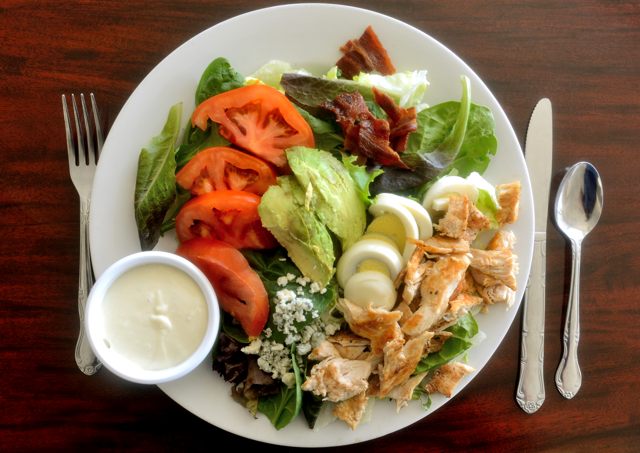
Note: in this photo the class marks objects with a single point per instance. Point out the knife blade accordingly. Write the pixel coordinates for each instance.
(530, 393)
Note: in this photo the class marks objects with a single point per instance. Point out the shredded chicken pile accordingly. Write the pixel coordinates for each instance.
(445, 278)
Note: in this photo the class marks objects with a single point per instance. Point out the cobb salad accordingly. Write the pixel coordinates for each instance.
(344, 224)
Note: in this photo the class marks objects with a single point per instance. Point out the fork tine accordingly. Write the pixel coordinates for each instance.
(96, 120)
(91, 156)
(71, 149)
(81, 152)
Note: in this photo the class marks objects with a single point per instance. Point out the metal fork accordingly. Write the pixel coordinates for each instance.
(82, 167)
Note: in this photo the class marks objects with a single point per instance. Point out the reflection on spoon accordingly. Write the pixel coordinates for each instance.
(577, 210)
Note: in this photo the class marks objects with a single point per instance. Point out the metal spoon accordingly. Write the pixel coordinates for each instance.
(577, 210)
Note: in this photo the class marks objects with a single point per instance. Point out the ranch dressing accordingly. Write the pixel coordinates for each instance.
(154, 316)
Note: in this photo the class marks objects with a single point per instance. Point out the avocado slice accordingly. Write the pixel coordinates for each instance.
(330, 192)
(308, 242)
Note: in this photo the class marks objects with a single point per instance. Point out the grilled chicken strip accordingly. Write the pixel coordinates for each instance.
(352, 410)
(400, 361)
(435, 291)
(337, 379)
(509, 201)
(499, 265)
(440, 245)
(376, 324)
(415, 272)
(403, 393)
(454, 222)
(447, 377)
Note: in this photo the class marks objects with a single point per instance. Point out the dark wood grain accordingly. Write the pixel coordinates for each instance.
(584, 55)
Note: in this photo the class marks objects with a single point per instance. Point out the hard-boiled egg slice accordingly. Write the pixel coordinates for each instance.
(389, 226)
(370, 288)
(444, 187)
(371, 265)
(366, 249)
(419, 213)
(385, 205)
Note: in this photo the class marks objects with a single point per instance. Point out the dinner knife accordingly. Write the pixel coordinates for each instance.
(538, 155)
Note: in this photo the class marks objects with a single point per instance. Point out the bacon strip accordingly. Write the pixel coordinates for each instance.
(402, 121)
(365, 54)
(365, 135)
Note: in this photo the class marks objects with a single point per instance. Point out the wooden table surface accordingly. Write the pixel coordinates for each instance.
(583, 55)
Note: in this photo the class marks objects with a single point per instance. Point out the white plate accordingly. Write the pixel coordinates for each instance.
(307, 35)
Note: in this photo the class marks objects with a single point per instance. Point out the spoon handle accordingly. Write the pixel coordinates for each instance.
(569, 376)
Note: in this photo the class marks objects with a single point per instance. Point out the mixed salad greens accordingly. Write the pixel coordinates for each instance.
(266, 193)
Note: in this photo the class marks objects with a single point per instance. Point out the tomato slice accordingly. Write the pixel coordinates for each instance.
(257, 118)
(228, 215)
(220, 168)
(240, 291)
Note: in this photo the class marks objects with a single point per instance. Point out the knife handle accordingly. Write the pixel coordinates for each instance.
(530, 393)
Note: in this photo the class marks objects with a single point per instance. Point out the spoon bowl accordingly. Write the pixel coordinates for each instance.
(579, 201)
(577, 211)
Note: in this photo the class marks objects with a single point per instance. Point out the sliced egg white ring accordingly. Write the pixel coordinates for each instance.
(368, 249)
(383, 205)
(445, 186)
(370, 288)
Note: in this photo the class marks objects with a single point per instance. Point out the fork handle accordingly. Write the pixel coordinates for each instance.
(85, 358)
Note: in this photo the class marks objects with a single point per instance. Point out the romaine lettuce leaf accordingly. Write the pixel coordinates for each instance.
(156, 180)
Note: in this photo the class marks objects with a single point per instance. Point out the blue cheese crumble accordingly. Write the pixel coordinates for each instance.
(291, 307)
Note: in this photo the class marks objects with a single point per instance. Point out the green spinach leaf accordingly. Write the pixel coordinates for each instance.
(196, 140)
(463, 332)
(155, 180)
(284, 406)
(217, 78)
(327, 134)
(232, 328)
(311, 405)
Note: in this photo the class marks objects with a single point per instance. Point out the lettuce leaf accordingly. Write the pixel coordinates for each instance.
(443, 144)
(463, 331)
(195, 140)
(361, 176)
(327, 134)
(406, 88)
(487, 206)
(217, 78)
(284, 406)
(271, 72)
(156, 181)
